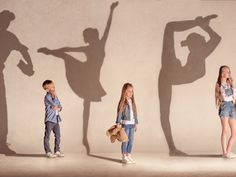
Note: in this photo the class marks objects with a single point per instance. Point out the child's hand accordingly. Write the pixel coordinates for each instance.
(230, 81)
(53, 92)
(118, 125)
(56, 108)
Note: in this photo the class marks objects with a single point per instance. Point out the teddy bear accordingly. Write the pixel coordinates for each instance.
(117, 133)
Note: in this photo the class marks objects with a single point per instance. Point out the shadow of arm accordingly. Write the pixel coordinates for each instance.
(71, 49)
(168, 40)
(213, 42)
(25, 67)
(107, 29)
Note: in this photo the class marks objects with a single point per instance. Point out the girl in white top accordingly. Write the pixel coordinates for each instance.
(225, 100)
(127, 118)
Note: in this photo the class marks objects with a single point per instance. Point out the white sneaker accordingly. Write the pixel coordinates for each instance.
(59, 154)
(231, 155)
(131, 159)
(50, 155)
(224, 156)
(126, 160)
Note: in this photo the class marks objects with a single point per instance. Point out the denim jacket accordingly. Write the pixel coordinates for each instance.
(50, 114)
(125, 115)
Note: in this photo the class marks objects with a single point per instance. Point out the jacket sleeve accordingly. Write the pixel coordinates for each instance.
(48, 100)
(119, 118)
(59, 105)
(136, 120)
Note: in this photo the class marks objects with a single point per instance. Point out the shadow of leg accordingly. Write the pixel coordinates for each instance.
(85, 125)
(165, 92)
(4, 149)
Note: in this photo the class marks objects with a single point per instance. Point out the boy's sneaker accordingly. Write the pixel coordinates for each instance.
(126, 160)
(50, 155)
(131, 159)
(59, 154)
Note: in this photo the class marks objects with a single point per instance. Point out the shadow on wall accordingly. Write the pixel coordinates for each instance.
(172, 73)
(84, 77)
(8, 43)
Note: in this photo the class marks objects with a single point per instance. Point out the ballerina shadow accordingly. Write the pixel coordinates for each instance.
(84, 77)
(172, 73)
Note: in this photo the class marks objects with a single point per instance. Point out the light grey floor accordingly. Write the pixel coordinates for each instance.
(108, 165)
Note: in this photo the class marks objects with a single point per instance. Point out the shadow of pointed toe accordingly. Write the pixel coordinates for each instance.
(177, 152)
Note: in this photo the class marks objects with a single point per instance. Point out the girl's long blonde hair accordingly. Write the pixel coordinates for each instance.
(218, 96)
(123, 101)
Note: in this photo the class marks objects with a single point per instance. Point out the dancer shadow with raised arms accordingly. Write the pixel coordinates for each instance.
(84, 77)
(172, 73)
(8, 43)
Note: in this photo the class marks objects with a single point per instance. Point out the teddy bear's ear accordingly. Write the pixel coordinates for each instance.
(115, 131)
(108, 133)
(118, 137)
(113, 138)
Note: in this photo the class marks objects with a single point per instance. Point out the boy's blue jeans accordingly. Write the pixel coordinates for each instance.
(126, 147)
(55, 127)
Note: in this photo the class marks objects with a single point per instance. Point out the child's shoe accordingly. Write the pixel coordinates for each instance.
(224, 156)
(50, 155)
(59, 154)
(126, 160)
(230, 155)
(131, 159)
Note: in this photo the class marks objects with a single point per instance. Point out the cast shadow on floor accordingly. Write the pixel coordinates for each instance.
(26, 155)
(105, 158)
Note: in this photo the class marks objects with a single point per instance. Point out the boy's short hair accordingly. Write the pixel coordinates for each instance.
(45, 83)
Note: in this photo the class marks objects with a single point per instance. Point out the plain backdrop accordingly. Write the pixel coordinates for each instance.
(133, 54)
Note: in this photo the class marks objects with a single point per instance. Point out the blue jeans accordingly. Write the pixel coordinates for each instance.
(227, 109)
(126, 147)
(55, 127)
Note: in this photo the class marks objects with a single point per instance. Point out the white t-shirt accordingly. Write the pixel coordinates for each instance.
(226, 97)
